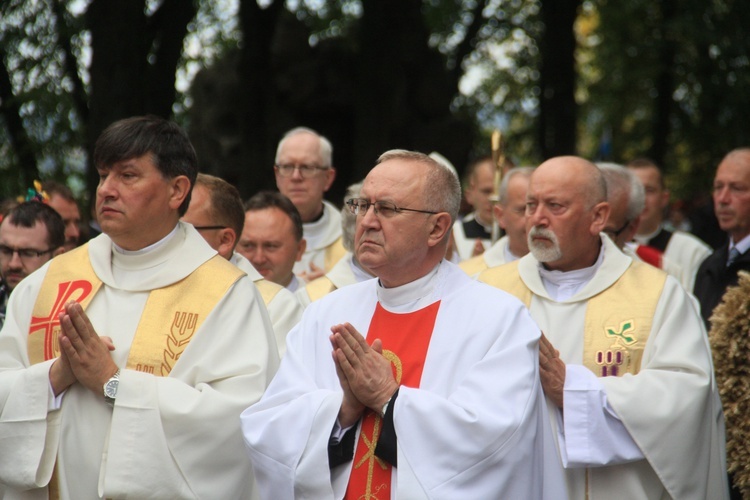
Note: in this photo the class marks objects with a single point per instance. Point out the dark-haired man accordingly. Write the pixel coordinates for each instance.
(124, 363)
(272, 238)
(216, 213)
(658, 245)
(30, 235)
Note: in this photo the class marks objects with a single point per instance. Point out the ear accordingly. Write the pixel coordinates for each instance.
(301, 247)
(330, 177)
(180, 188)
(498, 211)
(599, 216)
(227, 241)
(58, 251)
(440, 227)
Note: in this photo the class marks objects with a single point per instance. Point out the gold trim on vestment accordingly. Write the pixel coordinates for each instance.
(268, 290)
(334, 253)
(319, 288)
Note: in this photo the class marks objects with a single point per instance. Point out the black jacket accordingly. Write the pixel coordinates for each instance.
(714, 277)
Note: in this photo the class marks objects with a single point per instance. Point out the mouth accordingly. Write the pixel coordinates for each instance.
(107, 211)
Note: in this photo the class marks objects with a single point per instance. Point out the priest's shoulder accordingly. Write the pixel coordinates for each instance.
(498, 275)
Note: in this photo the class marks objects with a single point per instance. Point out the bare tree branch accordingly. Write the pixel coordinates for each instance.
(80, 99)
(10, 109)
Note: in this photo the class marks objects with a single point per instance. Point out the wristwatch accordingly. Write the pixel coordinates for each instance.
(110, 388)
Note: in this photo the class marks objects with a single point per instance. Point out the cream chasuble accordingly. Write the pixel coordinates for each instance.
(638, 330)
(154, 442)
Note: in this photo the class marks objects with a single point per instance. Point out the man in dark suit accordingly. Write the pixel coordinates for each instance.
(731, 192)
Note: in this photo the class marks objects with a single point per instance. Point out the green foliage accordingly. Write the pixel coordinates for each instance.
(701, 49)
(29, 34)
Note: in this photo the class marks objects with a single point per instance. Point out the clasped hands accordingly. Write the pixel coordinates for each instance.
(84, 355)
(551, 371)
(364, 373)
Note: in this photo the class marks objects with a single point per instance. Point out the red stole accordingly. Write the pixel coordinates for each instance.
(650, 255)
(405, 338)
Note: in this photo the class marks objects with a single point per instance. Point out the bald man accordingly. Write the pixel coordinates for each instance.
(624, 359)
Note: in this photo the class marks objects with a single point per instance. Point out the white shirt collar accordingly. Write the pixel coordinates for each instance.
(563, 285)
(411, 296)
(743, 245)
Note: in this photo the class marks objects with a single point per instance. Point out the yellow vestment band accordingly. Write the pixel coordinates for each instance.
(618, 320)
(170, 318)
(334, 253)
(319, 288)
(268, 290)
(474, 265)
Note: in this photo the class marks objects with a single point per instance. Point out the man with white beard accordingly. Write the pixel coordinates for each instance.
(624, 358)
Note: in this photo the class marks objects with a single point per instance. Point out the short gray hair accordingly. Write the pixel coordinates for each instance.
(348, 219)
(325, 150)
(503, 191)
(620, 179)
(442, 192)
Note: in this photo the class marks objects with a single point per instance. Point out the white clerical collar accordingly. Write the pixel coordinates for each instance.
(643, 239)
(317, 227)
(411, 296)
(149, 248)
(293, 284)
(473, 216)
(743, 245)
(563, 285)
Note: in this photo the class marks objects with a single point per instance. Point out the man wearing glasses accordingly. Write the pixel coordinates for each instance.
(30, 235)
(419, 384)
(304, 173)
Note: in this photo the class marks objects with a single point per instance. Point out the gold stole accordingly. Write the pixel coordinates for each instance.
(319, 288)
(405, 338)
(618, 320)
(473, 265)
(334, 253)
(268, 290)
(170, 317)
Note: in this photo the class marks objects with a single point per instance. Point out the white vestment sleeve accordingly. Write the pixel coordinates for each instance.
(593, 434)
(179, 436)
(285, 311)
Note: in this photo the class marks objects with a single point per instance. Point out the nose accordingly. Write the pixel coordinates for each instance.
(535, 217)
(296, 173)
(71, 231)
(105, 189)
(15, 261)
(721, 195)
(257, 256)
(369, 219)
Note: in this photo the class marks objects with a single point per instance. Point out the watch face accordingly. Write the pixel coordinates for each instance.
(110, 390)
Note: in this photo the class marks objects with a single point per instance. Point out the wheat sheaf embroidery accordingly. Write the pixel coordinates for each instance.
(182, 329)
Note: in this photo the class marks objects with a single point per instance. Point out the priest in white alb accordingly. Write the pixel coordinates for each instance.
(420, 384)
(124, 365)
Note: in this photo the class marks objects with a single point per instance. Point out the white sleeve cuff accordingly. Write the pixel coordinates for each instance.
(592, 433)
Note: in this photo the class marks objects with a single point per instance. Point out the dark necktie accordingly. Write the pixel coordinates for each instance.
(733, 254)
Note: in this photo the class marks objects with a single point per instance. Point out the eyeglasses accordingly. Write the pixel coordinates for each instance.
(7, 252)
(306, 171)
(615, 233)
(206, 228)
(386, 209)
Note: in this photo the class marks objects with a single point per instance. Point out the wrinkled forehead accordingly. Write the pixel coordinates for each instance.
(394, 180)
